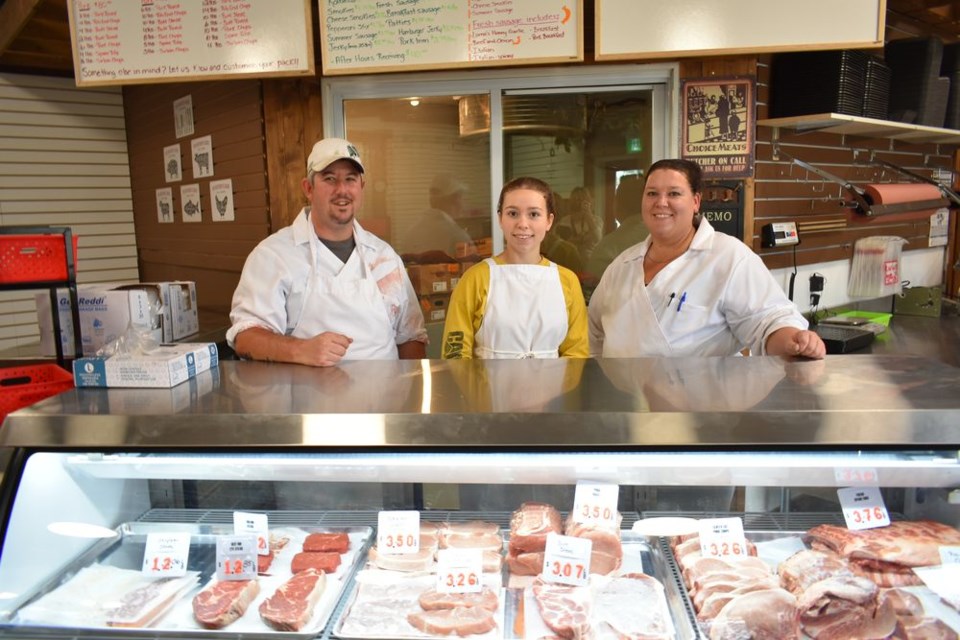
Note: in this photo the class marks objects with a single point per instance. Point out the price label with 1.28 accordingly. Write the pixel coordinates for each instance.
(166, 555)
(236, 557)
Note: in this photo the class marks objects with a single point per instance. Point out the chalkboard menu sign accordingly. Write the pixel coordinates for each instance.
(125, 42)
(371, 36)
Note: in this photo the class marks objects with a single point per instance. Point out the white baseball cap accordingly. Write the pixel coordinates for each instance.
(445, 184)
(329, 150)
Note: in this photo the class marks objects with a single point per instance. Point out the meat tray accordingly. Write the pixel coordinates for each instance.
(519, 618)
(776, 546)
(126, 550)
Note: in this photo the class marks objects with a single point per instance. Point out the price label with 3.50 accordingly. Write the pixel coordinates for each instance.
(459, 570)
(863, 508)
(722, 538)
(566, 560)
(236, 557)
(398, 532)
(596, 502)
(166, 555)
(254, 524)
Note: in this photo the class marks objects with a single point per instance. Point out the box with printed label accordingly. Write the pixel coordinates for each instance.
(165, 366)
(429, 279)
(435, 307)
(183, 308)
(129, 401)
(106, 314)
(482, 247)
(159, 295)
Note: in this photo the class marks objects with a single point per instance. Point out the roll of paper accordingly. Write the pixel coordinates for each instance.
(897, 193)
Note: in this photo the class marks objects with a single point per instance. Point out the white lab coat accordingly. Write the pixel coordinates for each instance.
(729, 301)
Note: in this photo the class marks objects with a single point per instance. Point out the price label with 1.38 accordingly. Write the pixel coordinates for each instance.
(236, 557)
(398, 532)
(596, 502)
(722, 538)
(166, 555)
(566, 560)
(459, 570)
(863, 508)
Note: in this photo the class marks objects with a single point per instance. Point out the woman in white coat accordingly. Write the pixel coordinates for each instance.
(688, 290)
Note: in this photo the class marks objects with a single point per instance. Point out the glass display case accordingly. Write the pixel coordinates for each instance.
(95, 479)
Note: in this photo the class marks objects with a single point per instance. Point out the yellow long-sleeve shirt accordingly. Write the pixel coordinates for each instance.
(469, 299)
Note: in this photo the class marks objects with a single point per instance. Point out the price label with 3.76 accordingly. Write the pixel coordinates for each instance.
(398, 532)
(459, 570)
(722, 538)
(863, 508)
(566, 560)
(595, 502)
(166, 555)
(236, 557)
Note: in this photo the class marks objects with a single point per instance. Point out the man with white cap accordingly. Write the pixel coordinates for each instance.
(323, 289)
(437, 228)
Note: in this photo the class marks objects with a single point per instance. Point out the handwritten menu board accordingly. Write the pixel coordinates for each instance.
(129, 42)
(364, 36)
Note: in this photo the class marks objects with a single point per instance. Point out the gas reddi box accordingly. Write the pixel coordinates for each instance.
(105, 315)
(165, 366)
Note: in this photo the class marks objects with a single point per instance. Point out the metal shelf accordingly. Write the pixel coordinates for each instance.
(842, 124)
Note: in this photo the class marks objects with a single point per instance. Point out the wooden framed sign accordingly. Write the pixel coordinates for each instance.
(406, 35)
(118, 42)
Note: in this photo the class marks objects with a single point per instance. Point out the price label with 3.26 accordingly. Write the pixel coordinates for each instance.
(596, 502)
(722, 538)
(166, 555)
(254, 524)
(863, 508)
(459, 570)
(398, 532)
(236, 557)
(566, 560)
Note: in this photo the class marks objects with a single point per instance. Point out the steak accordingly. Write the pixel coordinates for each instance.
(291, 605)
(264, 562)
(222, 602)
(432, 600)
(337, 542)
(321, 561)
(463, 621)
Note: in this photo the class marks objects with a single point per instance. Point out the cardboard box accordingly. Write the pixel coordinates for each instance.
(106, 314)
(435, 307)
(183, 308)
(430, 279)
(162, 401)
(159, 295)
(483, 246)
(166, 366)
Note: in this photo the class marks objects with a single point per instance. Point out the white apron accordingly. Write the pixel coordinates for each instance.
(635, 314)
(349, 303)
(525, 315)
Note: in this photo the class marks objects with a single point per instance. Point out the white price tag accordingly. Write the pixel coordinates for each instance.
(943, 580)
(398, 532)
(459, 570)
(236, 558)
(567, 560)
(855, 476)
(166, 555)
(595, 502)
(722, 538)
(254, 524)
(863, 508)
(949, 555)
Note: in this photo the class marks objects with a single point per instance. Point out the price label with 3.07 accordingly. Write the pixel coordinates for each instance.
(236, 557)
(398, 532)
(459, 570)
(722, 538)
(566, 560)
(863, 508)
(166, 555)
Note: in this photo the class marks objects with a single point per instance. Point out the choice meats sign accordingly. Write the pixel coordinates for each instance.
(717, 127)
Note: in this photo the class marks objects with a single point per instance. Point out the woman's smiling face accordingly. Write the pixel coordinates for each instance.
(669, 205)
(525, 220)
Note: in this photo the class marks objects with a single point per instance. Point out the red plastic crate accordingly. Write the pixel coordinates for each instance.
(25, 385)
(34, 258)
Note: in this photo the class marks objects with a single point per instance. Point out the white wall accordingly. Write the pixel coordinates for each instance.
(63, 162)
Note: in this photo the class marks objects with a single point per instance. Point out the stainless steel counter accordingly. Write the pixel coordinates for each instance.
(846, 401)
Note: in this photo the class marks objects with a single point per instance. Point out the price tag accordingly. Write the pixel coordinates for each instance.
(949, 555)
(863, 508)
(254, 524)
(459, 570)
(943, 581)
(596, 503)
(166, 555)
(398, 532)
(567, 560)
(236, 558)
(722, 538)
(855, 476)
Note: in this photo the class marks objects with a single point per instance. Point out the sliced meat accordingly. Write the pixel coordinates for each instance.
(923, 628)
(809, 566)
(842, 607)
(222, 602)
(321, 561)
(606, 551)
(291, 605)
(700, 567)
(336, 542)
(264, 562)
(421, 561)
(904, 603)
(634, 606)
(565, 609)
(462, 621)
(530, 525)
(492, 561)
(526, 564)
(486, 598)
(758, 615)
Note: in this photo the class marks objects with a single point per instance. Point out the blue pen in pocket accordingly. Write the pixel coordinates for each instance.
(683, 298)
